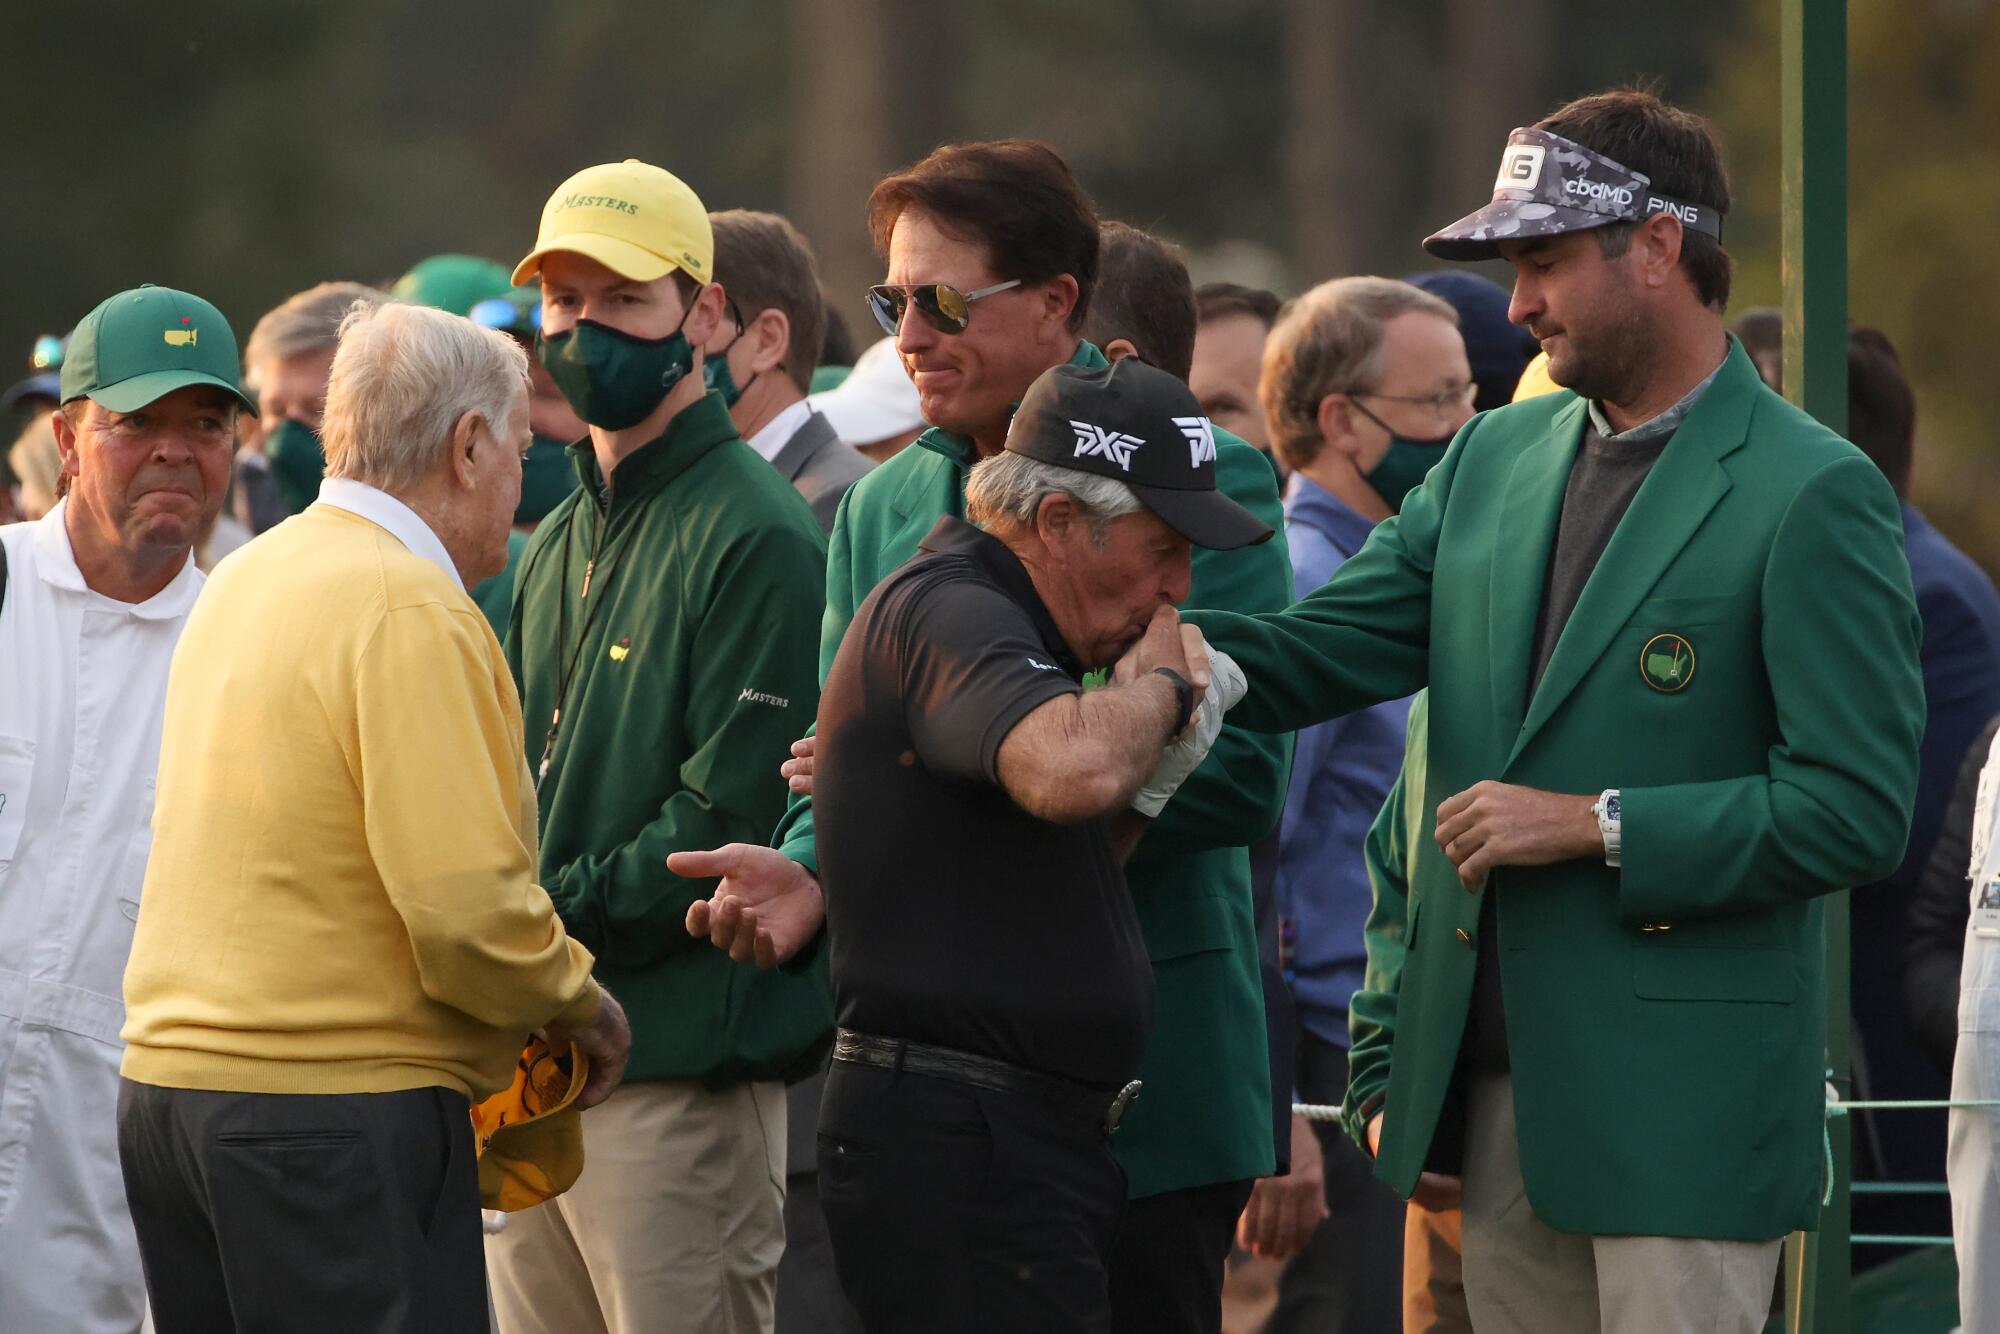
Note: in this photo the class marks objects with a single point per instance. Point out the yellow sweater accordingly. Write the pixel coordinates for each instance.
(341, 896)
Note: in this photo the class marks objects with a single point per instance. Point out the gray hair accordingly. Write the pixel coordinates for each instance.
(1329, 341)
(402, 378)
(1004, 491)
(306, 322)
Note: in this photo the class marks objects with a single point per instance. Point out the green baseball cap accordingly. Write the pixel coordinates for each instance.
(139, 346)
(452, 283)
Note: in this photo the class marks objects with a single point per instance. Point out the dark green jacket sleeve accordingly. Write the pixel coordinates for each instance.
(1362, 638)
(756, 626)
(1832, 809)
(1236, 796)
(794, 836)
(1390, 853)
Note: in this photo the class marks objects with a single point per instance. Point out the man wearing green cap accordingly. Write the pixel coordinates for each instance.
(92, 600)
(663, 637)
(454, 283)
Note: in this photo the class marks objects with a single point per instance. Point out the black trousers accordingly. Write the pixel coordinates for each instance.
(1349, 1277)
(958, 1208)
(1166, 1272)
(356, 1213)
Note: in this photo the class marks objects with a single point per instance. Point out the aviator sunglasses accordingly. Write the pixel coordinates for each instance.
(944, 306)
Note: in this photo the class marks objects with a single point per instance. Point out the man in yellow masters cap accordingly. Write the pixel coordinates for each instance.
(664, 636)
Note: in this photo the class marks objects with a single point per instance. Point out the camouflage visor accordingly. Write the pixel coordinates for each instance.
(1549, 185)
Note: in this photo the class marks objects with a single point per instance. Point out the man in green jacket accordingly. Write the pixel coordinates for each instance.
(1668, 632)
(995, 247)
(662, 637)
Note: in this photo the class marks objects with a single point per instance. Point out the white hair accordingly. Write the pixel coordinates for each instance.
(402, 378)
(1004, 492)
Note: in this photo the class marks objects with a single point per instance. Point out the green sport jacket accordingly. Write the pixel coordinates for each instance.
(1205, 1113)
(1742, 665)
(1398, 829)
(694, 673)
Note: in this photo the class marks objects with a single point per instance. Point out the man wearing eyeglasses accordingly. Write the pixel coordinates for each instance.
(993, 255)
(1365, 381)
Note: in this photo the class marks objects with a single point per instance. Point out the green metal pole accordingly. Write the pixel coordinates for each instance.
(1813, 80)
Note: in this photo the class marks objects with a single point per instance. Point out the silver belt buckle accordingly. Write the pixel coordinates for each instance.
(1119, 1106)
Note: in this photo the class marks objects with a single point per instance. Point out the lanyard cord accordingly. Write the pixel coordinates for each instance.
(568, 675)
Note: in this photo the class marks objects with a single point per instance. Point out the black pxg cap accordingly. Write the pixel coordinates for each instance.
(1549, 185)
(1142, 426)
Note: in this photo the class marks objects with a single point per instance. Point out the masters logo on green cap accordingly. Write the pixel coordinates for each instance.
(139, 346)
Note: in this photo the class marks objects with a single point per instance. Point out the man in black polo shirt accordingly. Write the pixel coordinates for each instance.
(992, 986)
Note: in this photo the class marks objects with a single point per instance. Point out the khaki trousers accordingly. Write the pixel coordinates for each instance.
(676, 1224)
(1524, 1277)
(1433, 1276)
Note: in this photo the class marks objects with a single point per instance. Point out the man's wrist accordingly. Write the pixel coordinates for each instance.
(1607, 815)
(1183, 700)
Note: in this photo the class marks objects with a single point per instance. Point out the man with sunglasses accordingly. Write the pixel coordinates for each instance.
(1365, 381)
(762, 359)
(662, 637)
(993, 257)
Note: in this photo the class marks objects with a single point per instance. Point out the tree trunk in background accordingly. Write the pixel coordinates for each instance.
(840, 142)
(1327, 155)
(1495, 71)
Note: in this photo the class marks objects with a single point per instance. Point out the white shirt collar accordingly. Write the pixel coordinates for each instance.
(385, 511)
(55, 561)
(778, 432)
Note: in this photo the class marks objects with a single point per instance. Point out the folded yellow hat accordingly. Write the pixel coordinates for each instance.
(640, 221)
(530, 1134)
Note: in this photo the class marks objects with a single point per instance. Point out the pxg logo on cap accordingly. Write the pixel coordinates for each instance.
(1130, 421)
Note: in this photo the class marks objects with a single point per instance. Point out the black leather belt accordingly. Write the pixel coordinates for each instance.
(920, 1058)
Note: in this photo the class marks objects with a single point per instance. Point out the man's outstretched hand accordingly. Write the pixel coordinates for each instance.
(766, 908)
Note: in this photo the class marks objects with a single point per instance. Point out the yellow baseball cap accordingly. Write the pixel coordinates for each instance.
(530, 1134)
(1535, 379)
(637, 220)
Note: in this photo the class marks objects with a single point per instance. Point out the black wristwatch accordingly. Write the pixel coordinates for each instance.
(1183, 700)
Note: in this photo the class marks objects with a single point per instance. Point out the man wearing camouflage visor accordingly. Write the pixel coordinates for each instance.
(1667, 628)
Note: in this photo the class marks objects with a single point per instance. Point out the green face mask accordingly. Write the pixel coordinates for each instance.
(546, 477)
(715, 373)
(613, 379)
(297, 463)
(1403, 469)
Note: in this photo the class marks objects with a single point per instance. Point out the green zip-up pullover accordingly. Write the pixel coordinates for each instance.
(682, 602)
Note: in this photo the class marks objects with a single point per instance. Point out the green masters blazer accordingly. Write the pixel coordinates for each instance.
(1204, 1115)
(1742, 665)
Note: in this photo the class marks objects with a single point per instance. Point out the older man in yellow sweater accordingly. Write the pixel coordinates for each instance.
(343, 941)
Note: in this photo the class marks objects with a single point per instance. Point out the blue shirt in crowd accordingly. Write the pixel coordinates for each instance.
(1341, 774)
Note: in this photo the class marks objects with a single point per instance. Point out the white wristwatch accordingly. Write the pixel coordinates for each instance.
(1606, 811)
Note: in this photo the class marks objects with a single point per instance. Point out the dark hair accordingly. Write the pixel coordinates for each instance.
(1676, 150)
(1144, 296)
(764, 264)
(1881, 408)
(1017, 197)
(836, 345)
(1761, 330)
(1215, 301)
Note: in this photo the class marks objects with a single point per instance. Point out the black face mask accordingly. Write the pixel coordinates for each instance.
(613, 379)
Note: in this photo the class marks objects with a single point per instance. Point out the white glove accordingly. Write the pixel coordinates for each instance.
(1226, 687)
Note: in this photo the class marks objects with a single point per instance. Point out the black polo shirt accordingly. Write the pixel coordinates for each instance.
(955, 917)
